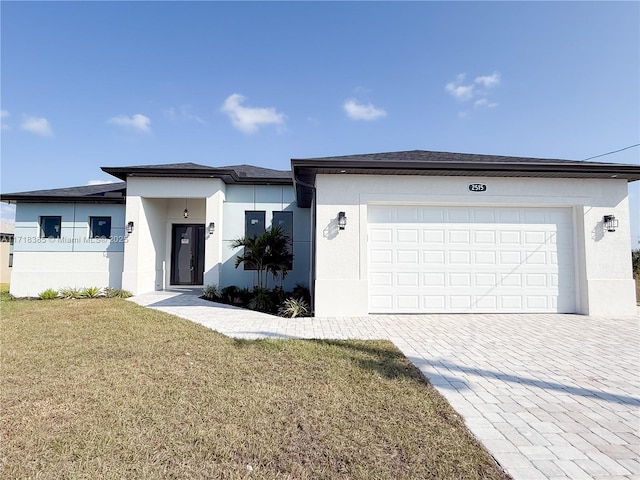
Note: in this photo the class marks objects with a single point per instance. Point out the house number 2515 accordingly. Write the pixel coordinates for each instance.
(477, 187)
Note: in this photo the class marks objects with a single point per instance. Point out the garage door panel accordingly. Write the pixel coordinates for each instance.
(407, 235)
(433, 279)
(433, 236)
(459, 257)
(484, 236)
(485, 258)
(433, 257)
(447, 265)
(377, 235)
(381, 256)
(460, 236)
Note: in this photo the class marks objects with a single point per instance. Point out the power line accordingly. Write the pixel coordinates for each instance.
(615, 151)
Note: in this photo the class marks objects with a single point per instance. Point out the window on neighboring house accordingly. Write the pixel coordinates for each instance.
(253, 227)
(284, 220)
(100, 227)
(11, 252)
(50, 227)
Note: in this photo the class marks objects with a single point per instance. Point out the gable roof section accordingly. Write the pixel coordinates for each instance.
(102, 193)
(421, 162)
(241, 174)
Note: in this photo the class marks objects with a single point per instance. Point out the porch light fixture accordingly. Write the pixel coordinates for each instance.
(130, 227)
(342, 220)
(212, 227)
(185, 214)
(610, 222)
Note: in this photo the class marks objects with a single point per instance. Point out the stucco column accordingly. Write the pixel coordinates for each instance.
(213, 241)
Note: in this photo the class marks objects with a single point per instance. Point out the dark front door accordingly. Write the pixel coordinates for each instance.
(187, 254)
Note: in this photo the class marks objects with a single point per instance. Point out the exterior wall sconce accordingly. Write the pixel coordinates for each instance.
(212, 227)
(610, 222)
(342, 220)
(185, 214)
(130, 227)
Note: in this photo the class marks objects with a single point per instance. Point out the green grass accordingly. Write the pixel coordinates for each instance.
(106, 389)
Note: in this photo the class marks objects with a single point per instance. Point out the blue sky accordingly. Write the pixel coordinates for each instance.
(91, 84)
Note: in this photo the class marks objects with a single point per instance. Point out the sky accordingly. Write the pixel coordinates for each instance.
(92, 84)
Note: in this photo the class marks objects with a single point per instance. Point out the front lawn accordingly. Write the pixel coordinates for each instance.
(106, 389)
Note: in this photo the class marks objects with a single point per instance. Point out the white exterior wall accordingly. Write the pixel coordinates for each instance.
(267, 198)
(154, 205)
(603, 267)
(73, 260)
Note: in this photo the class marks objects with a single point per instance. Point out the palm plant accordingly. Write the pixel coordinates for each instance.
(267, 253)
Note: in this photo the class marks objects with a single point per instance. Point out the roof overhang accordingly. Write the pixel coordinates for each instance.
(305, 170)
(104, 193)
(228, 176)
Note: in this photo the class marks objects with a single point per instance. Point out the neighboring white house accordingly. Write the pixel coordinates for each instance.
(6, 251)
(402, 232)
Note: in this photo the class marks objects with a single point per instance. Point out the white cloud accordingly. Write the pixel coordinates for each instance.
(457, 90)
(360, 111)
(99, 182)
(249, 119)
(479, 90)
(183, 114)
(38, 125)
(489, 81)
(138, 122)
(483, 102)
(4, 114)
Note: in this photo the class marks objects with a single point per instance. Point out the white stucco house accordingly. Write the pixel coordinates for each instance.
(400, 232)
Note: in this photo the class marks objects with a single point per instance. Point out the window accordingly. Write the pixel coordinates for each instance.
(284, 220)
(253, 223)
(100, 227)
(253, 227)
(50, 227)
(11, 252)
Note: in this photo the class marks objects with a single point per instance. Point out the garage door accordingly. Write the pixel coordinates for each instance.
(470, 259)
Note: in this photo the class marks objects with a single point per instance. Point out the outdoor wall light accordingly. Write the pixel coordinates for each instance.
(130, 227)
(342, 220)
(610, 222)
(212, 227)
(185, 214)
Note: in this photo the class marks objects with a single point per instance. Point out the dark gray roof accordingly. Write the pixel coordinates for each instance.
(102, 193)
(230, 174)
(421, 162)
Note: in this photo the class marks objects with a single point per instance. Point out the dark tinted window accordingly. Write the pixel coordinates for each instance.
(50, 227)
(100, 227)
(284, 220)
(253, 223)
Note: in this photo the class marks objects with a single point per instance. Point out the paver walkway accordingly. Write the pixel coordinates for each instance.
(550, 396)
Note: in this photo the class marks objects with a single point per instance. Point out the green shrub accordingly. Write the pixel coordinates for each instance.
(635, 262)
(294, 307)
(48, 294)
(262, 301)
(278, 296)
(301, 291)
(116, 293)
(69, 292)
(90, 292)
(212, 292)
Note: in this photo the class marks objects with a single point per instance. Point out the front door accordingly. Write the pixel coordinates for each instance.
(187, 254)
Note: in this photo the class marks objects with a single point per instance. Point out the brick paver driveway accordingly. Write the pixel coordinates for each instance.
(550, 396)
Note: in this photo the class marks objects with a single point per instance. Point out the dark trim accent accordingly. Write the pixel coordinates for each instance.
(227, 175)
(61, 199)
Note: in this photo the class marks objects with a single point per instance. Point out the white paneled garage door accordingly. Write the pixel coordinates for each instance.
(470, 259)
